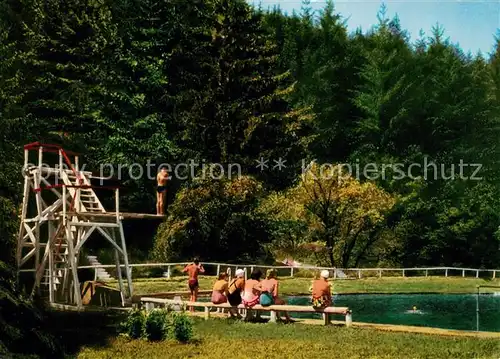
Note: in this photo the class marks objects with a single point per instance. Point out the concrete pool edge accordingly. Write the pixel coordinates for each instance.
(387, 327)
(425, 330)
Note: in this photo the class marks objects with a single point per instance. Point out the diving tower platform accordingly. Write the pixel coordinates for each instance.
(60, 212)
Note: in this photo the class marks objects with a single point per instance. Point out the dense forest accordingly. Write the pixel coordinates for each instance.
(220, 82)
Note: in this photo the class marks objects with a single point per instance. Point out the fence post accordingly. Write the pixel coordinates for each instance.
(359, 273)
(477, 308)
(334, 273)
(494, 274)
(218, 269)
(463, 272)
(291, 272)
(446, 272)
(477, 273)
(403, 272)
(380, 273)
(426, 272)
(251, 269)
(169, 273)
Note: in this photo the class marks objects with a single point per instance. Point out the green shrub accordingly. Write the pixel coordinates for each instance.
(135, 324)
(182, 327)
(157, 324)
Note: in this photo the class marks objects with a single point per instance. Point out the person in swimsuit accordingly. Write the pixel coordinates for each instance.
(161, 190)
(322, 291)
(193, 270)
(220, 289)
(234, 292)
(251, 294)
(270, 288)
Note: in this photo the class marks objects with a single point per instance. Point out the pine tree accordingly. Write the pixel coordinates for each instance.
(385, 93)
(333, 77)
(13, 128)
(63, 79)
(135, 112)
(495, 69)
(244, 113)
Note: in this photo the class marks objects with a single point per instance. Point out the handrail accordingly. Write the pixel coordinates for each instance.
(48, 147)
(90, 174)
(251, 266)
(301, 267)
(75, 186)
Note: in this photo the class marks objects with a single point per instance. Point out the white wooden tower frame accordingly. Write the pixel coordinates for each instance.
(59, 213)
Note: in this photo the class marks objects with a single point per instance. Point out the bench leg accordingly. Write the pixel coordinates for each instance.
(207, 313)
(248, 314)
(273, 317)
(326, 318)
(348, 319)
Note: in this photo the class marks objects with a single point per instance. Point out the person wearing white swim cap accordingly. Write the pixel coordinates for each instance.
(322, 291)
(234, 291)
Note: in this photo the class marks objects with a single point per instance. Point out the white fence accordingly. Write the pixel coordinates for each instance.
(171, 269)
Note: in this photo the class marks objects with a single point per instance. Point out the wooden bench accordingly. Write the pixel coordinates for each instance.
(151, 303)
(137, 298)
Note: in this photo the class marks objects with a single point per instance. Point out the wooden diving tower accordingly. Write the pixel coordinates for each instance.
(60, 212)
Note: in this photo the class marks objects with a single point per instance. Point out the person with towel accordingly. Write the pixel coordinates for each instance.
(322, 291)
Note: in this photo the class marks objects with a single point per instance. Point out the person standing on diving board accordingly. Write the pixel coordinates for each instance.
(161, 190)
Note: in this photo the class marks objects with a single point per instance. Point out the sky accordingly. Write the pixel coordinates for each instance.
(470, 23)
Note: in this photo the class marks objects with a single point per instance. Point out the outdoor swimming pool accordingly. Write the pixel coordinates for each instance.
(448, 311)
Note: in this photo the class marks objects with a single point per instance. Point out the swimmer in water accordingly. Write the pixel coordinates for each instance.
(414, 308)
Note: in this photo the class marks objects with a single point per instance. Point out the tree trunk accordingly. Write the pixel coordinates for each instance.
(372, 238)
(330, 256)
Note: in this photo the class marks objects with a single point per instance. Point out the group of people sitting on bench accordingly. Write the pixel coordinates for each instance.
(265, 292)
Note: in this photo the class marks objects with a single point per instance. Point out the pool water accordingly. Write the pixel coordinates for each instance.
(448, 311)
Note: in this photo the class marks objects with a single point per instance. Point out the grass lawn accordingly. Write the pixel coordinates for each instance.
(219, 338)
(297, 286)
